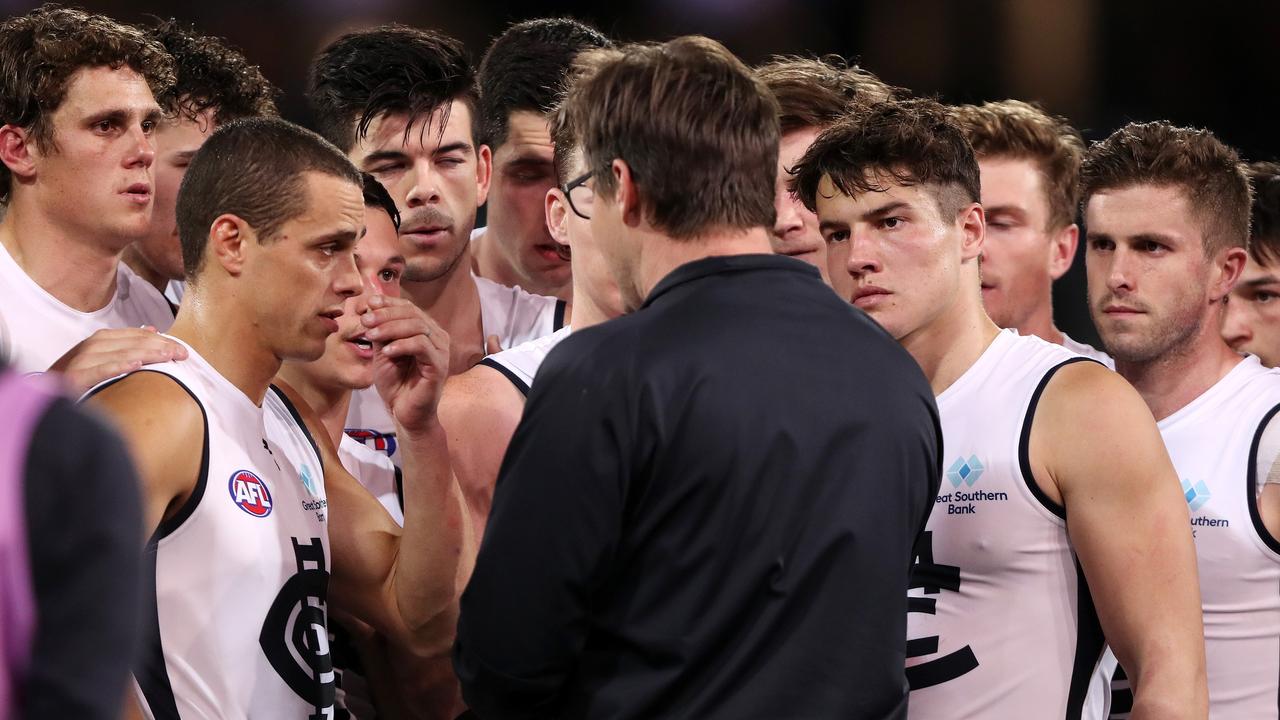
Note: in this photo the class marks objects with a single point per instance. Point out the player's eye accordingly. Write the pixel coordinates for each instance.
(1263, 297)
(838, 236)
(388, 276)
(1102, 245)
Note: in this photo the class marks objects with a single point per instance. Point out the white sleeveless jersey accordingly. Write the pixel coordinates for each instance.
(376, 473)
(1088, 351)
(1213, 443)
(39, 328)
(520, 364)
(241, 573)
(1001, 622)
(512, 314)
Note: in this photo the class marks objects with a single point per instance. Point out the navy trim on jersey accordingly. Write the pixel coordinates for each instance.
(515, 379)
(1090, 643)
(557, 320)
(1121, 694)
(298, 419)
(1251, 483)
(1024, 441)
(150, 670)
(399, 488)
(168, 526)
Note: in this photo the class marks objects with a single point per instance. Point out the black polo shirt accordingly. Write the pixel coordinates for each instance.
(708, 511)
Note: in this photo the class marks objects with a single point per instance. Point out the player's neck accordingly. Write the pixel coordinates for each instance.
(1040, 324)
(453, 301)
(1173, 380)
(947, 347)
(585, 312)
(227, 339)
(659, 255)
(143, 269)
(330, 402)
(489, 261)
(80, 272)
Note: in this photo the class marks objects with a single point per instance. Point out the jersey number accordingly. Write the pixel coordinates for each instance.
(934, 578)
(295, 636)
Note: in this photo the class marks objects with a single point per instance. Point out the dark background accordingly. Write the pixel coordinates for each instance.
(1101, 63)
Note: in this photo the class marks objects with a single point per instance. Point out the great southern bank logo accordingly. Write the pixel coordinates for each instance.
(1197, 494)
(965, 472)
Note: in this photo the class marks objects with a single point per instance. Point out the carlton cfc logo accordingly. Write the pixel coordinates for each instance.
(250, 493)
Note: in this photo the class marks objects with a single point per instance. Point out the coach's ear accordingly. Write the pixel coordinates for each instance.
(228, 241)
(625, 193)
(16, 151)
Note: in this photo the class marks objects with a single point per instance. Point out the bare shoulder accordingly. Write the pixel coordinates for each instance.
(478, 394)
(1086, 397)
(151, 401)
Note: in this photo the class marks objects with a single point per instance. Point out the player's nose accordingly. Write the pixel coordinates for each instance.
(1235, 327)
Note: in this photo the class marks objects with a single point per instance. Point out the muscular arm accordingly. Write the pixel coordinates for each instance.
(479, 411)
(164, 431)
(1096, 450)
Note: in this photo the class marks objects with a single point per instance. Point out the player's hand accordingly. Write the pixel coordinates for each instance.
(108, 353)
(410, 360)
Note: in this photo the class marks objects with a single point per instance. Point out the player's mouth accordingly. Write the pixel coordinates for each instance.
(330, 319)
(425, 236)
(363, 346)
(138, 193)
(869, 296)
(1116, 310)
(549, 252)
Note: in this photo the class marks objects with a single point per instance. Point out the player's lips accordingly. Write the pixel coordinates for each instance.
(362, 345)
(869, 296)
(425, 235)
(330, 318)
(549, 253)
(139, 193)
(1121, 310)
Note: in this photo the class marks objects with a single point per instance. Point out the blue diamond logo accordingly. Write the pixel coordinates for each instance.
(964, 471)
(1196, 494)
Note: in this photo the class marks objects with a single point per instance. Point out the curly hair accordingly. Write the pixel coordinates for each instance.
(42, 50)
(815, 92)
(1016, 129)
(912, 142)
(389, 69)
(212, 75)
(1209, 172)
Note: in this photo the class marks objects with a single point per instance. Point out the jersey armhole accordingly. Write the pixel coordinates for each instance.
(1251, 483)
(520, 384)
(168, 526)
(1024, 439)
(306, 432)
(399, 487)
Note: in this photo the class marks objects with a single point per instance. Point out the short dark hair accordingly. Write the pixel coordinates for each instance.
(376, 196)
(1024, 131)
(525, 68)
(816, 92)
(212, 75)
(1264, 237)
(1158, 153)
(42, 50)
(387, 70)
(913, 142)
(697, 128)
(252, 168)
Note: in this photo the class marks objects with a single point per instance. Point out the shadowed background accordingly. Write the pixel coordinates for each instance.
(1101, 63)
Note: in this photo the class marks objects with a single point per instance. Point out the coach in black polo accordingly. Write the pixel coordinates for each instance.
(709, 507)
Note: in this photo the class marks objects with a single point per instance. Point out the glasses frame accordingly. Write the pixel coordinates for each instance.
(572, 185)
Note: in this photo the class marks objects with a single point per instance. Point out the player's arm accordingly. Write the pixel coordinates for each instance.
(164, 430)
(410, 596)
(479, 411)
(1095, 442)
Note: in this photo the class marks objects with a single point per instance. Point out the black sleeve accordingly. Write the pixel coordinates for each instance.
(556, 517)
(84, 527)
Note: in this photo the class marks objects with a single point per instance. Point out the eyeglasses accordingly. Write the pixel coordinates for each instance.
(580, 196)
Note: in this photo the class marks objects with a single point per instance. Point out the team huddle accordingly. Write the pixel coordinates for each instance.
(746, 400)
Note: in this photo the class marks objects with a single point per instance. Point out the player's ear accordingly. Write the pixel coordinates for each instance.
(18, 151)
(1062, 250)
(484, 173)
(1228, 267)
(973, 228)
(229, 238)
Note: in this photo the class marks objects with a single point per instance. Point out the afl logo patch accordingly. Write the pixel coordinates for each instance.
(250, 493)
